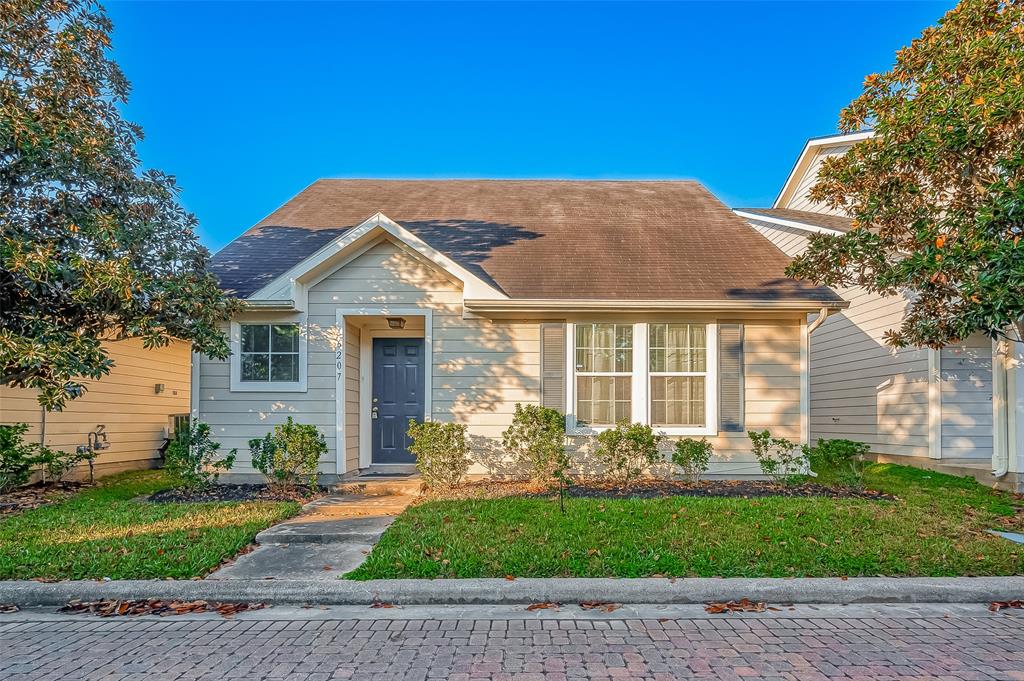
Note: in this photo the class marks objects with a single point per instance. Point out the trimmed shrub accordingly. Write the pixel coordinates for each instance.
(628, 450)
(288, 454)
(537, 440)
(780, 459)
(692, 457)
(442, 452)
(17, 457)
(844, 457)
(193, 459)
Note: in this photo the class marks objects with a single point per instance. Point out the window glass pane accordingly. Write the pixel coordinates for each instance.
(603, 400)
(255, 367)
(623, 348)
(255, 337)
(284, 338)
(678, 347)
(677, 401)
(604, 348)
(284, 367)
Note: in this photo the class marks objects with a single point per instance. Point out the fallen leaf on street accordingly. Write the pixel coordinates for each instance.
(155, 606)
(742, 605)
(543, 606)
(996, 606)
(599, 605)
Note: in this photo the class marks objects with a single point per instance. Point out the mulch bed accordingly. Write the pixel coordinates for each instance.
(254, 492)
(155, 606)
(651, 489)
(746, 489)
(36, 495)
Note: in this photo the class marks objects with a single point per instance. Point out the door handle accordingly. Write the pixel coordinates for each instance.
(373, 413)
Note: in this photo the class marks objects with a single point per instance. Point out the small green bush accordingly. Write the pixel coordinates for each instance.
(289, 453)
(693, 457)
(780, 459)
(628, 450)
(55, 464)
(192, 458)
(844, 457)
(442, 452)
(536, 438)
(17, 457)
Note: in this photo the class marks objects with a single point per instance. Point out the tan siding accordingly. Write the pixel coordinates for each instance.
(790, 241)
(480, 368)
(966, 384)
(771, 354)
(352, 369)
(237, 417)
(125, 402)
(860, 389)
(800, 200)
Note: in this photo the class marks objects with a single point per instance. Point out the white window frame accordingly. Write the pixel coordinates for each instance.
(607, 374)
(238, 385)
(642, 379)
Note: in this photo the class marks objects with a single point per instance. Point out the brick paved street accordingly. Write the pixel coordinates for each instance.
(936, 642)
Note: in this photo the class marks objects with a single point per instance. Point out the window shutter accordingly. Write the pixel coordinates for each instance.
(730, 377)
(552, 370)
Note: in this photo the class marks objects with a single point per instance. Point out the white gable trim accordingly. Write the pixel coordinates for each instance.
(293, 284)
(786, 223)
(803, 161)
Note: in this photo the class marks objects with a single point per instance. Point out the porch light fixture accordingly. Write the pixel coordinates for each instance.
(396, 322)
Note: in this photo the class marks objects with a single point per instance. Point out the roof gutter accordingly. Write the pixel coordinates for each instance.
(269, 305)
(576, 305)
(804, 226)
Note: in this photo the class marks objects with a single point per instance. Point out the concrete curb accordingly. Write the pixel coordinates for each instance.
(521, 591)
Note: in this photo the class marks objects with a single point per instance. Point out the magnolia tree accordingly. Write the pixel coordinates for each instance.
(937, 193)
(92, 249)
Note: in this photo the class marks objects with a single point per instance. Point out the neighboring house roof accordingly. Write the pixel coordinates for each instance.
(835, 223)
(812, 147)
(538, 239)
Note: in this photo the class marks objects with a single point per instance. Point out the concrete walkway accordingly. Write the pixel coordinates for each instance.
(331, 536)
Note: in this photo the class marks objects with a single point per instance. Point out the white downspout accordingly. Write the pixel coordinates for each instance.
(819, 320)
(1000, 441)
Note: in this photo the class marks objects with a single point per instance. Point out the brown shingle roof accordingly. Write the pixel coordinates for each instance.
(836, 222)
(538, 239)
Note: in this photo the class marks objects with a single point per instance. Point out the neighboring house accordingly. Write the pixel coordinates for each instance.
(133, 406)
(955, 408)
(373, 302)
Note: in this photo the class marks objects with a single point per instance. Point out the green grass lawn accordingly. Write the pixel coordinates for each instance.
(103, 532)
(936, 528)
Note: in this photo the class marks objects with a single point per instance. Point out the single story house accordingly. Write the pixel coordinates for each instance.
(959, 409)
(129, 412)
(370, 302)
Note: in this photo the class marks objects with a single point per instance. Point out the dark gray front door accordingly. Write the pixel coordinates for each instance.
(398, 382)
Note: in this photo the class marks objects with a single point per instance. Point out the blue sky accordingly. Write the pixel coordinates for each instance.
(247, 103)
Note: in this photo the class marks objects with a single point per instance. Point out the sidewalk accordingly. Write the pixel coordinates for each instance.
(331, 536)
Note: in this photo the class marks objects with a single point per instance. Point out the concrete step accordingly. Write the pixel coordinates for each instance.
(380, 486)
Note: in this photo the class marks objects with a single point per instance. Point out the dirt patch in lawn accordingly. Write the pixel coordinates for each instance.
(253, 492)
(652, 489)
(37, 495)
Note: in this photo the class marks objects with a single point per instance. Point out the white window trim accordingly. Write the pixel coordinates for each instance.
(641, 382)
(240, 386)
